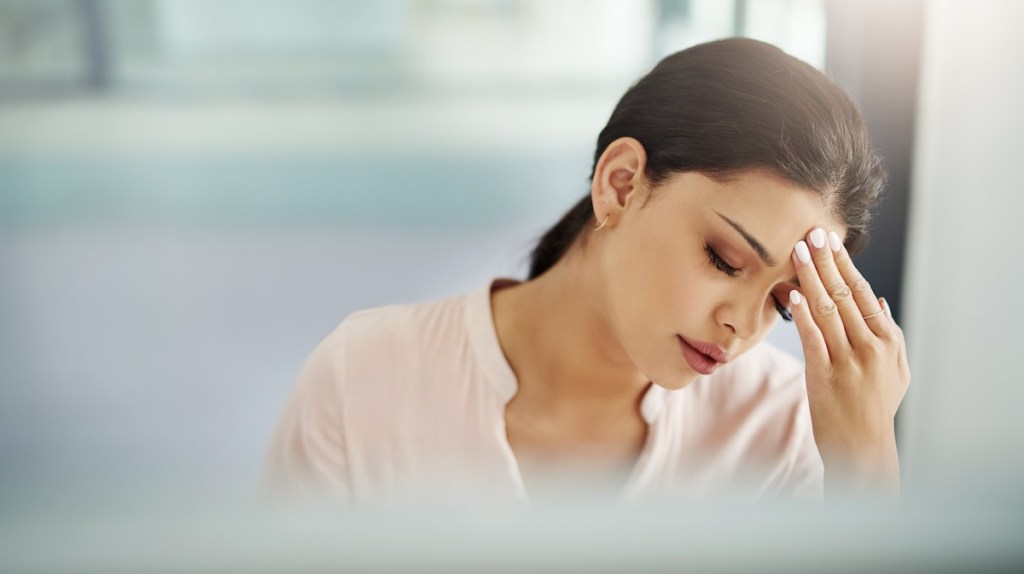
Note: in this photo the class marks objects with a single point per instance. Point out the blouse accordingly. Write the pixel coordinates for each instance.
(406, 404)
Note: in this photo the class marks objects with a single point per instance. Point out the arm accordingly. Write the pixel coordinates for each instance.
(857, 372)
(307, 452)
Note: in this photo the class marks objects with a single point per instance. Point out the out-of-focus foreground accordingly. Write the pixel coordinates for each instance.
(193, 193)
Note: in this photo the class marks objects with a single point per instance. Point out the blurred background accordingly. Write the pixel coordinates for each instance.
(194, 192)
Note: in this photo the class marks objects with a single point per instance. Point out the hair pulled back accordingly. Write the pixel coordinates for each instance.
(735, 104)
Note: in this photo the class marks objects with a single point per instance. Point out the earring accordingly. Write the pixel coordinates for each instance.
(598, 228)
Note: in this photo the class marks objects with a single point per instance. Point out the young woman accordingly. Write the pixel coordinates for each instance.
(729, 188)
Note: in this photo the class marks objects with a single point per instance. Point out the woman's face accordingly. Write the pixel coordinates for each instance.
(685, 268)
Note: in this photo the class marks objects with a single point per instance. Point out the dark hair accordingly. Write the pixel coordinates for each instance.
(735, 104)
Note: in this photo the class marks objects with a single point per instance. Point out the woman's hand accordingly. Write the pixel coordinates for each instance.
(856, 361)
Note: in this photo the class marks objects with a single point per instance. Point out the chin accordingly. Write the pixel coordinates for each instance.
(676, 381)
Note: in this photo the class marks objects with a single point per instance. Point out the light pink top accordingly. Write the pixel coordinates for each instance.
(408, 403)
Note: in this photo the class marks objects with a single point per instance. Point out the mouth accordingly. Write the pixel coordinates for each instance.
(702, 357)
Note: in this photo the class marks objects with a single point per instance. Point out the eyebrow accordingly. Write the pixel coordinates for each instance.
(754, 243)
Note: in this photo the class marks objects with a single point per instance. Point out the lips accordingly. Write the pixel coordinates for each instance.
(702, 356)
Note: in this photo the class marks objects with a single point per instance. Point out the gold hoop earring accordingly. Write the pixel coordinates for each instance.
(598, 228)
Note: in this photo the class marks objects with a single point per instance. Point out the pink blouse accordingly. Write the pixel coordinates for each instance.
(407, 404)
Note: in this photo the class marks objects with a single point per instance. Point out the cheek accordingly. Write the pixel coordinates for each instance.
(658, 288)
(692, 299)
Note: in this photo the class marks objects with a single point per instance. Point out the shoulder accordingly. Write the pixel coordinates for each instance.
(391, 357)
(764, 365)
(763, 372)
(373, 350)
(381, 332)
(760, 393)
(750, 420)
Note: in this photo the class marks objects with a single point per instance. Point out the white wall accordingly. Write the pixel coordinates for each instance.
(963, 420)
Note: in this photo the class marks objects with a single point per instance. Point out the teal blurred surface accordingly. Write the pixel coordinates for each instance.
(385, 190)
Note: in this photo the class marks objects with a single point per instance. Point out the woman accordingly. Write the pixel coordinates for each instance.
(729, 188)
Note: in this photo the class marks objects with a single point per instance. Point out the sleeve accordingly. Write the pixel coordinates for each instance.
(806, 478)
(307, 455)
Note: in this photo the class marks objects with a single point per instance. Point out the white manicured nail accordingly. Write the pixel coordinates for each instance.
(834, 242)
(818, 238)
(802, 253)
(794, 297)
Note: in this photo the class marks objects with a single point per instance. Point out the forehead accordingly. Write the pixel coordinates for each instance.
(771, 208)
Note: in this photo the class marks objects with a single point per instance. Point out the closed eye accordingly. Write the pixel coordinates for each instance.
(720, 263)
(715, 259)
(786, 314)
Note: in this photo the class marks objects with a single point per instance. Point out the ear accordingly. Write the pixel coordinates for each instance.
(618, 179)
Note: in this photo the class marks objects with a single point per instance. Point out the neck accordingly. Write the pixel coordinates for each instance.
(558, 341)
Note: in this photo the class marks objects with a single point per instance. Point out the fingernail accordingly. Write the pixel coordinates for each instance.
(802, 253)
(834, 242)
(794, 297)
(818, 238)
(885, 304)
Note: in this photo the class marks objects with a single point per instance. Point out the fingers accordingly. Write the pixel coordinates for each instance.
(811, 339)
(823, 310)
(864, 296)
(904, 365)
(846, 287)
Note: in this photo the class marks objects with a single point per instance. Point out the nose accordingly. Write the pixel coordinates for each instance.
(742, 319)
